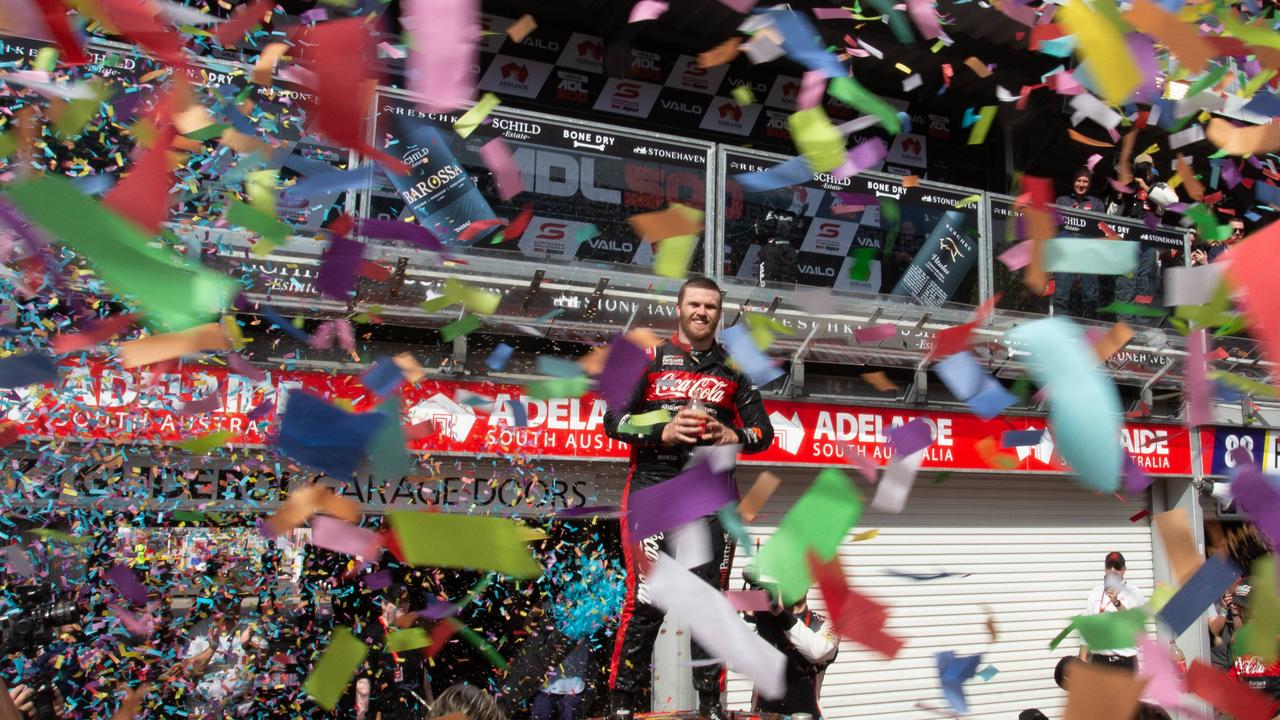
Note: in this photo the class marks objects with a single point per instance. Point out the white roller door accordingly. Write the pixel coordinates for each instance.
(1035, 548)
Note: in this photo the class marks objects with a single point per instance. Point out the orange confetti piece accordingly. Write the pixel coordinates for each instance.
(758, 495)
(1116, 338)
(1086, 140)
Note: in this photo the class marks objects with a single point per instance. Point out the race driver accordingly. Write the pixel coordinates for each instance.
(689, 367)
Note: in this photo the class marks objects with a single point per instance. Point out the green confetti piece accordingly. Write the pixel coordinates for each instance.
(472, 119)
(77, 114)
(335, 669)
(473, 299)
(460, 327)
(817, 139)
(986, 116)
(860, 271)
(852, 93)
(60, 536)
(208, 132)
(640, 424)
(674, 255)
(731, 521)
(1124, 308)
(46, 60)
(897, 21)
(189, 516)
(8, 145)
(173, 293)
(971, 200)
(469, 542)
(437, 304)
(743, 95)
(1244, 384)
(941, 477)
(1021, 388)
(585, 233)
(273, 232)
(1107, 631)
(818, 521)
(206, 443)
(479, 643)
(408, 639)
(554, 388)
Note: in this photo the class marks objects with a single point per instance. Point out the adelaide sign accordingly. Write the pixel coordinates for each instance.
(95, 401)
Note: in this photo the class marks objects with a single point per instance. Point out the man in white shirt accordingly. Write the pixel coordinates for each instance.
(1113, 595)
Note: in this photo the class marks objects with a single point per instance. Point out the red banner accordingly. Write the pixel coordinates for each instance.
(100, 402)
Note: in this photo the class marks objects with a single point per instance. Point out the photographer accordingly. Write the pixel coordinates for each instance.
(1144, 196)
(1113, 595)
(809, 642)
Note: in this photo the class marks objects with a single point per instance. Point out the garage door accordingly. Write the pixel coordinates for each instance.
(1031, 549)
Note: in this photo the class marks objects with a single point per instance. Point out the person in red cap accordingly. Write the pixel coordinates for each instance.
(1113, 595)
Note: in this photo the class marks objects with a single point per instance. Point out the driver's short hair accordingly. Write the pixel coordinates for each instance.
(698, 283)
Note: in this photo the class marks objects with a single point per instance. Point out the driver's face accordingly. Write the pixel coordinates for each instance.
(1082, 185)
(699, 313)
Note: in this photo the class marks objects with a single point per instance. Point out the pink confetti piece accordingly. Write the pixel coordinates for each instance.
(497, 157)
(826, 13)
(924, 14)
(876, 333)
(742, 6)
(866, 155)
(334, 534)
(748, 600)
(1016, 257)
(444, 51)
(1197, 387)
(141, 626)
(812, 87)
(646, 10)
(1165, 686)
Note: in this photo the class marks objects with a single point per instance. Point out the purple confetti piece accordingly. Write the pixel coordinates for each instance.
(622, 370)
(1256, 494)
(437, 610)
(866, 155)
(241, 366)
(1231, 174)
(1135, 480)
(858, 198)
(207, 404)
(378, 581)
(1143, 50)
(694, 493)
(397, 230)
(127, 583)
(262, 410)
(911, 437)
(339, 266)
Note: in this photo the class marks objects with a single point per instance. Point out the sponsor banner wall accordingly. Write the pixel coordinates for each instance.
(97, 402)
(839, 220)
(582, 184)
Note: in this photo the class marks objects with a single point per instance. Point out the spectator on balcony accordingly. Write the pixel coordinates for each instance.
(1144, 199)
(1079, 199)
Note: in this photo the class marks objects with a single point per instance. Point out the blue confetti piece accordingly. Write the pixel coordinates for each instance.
(324, 437)
(23, 370)
(500, 356)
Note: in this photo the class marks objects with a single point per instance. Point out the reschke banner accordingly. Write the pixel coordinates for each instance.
(97, 402)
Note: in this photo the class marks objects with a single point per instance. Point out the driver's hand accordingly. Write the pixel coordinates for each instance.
(718, 433)
(23, 697)
(685, 428)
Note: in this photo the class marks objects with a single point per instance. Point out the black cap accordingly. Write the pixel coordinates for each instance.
(1115, 560)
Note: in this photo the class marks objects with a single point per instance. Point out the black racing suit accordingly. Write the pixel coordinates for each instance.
(809, 648)
(673, 378)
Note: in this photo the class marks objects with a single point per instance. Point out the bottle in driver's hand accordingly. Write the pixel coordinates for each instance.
(699, 407)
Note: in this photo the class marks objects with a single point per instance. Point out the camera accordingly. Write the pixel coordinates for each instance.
(32, 623)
